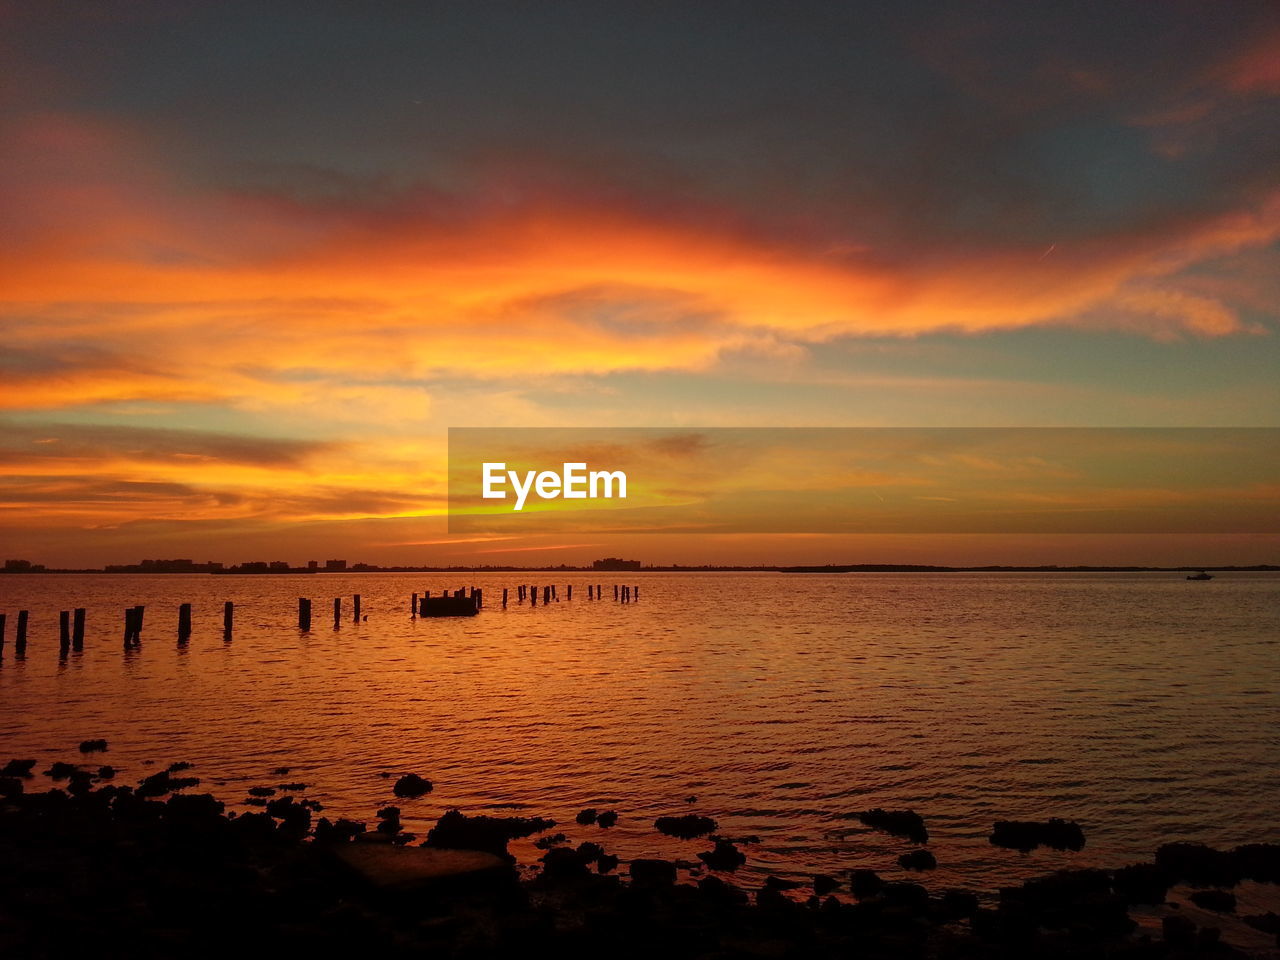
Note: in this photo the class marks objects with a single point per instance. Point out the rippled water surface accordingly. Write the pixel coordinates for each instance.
(1142, 706)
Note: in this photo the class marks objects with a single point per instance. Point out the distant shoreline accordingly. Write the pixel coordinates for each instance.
(827, 568)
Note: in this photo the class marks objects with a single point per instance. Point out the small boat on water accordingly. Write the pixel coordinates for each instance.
(1201, 576)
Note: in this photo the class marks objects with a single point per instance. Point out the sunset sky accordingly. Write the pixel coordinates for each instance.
(255, 260)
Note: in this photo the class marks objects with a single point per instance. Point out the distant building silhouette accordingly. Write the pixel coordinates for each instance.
(313, 564)
(335, 564)
(22, 566)
(615, 563)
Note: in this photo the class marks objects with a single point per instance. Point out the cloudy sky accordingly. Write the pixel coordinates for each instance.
(256, 259)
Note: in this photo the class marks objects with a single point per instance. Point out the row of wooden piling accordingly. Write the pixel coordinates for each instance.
(461, 602)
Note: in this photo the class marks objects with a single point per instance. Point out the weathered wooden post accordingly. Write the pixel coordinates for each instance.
(20, 633)
(504, 604)
(304, 614)
(635, 593)
(184, 623)
(413, 607)
(546, 595)
(77, 629)
(568, 592)
(615, 591)
(228, 619)
(337, 612)
(477, 594)
(64, 631)
(533, 596)
(128, 626)
(554, 596)
(135, 621)
(355, 608)
(3, 619)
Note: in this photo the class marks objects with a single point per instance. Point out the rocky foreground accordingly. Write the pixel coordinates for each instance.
(157, 870)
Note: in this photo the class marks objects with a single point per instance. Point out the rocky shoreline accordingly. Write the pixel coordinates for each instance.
(158, 869)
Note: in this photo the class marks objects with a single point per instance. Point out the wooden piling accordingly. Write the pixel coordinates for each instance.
(635, 593)
(355, 608)
(20, 633)
(477, 595)
(554, 595)
(568, 592)
(504, 605)
(337, 612)
(77, 629)
(304, 614)
(413, 607)
(184, 623)
(228, 619)
(533, 596)
(3, 619)
(615, 591)
(546, 595)
(64, 631)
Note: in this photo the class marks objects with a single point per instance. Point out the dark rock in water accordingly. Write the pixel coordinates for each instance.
(909, 896)
(340, 831)
(293, 786)
(1177, 930)
(177, 767)
(1026, 835)
(1199, 865)
(865, 883)
(720, 893)
(458, 831)
(390, 817)
(918, 860)
(824, 884)
(685, 827)
(158, 784)
(389, 813)
(899, 823)
(1258, 861)
(1141, 883)
(652, 873)
(18, 768)
(725, 856)
(10, 787)
(1219, 901)
(281, 772)
(92, 746)
(61, 771)
(106, 772)
(1266, 922)
(607, 819)
(777, 883)
(586, 817)
(549, 841)
(411, 785)
(607, 863)
(561, 863)
(262, 791)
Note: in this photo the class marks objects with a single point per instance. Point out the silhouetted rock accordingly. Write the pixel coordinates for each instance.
(1026, 835)
(18, 768)
(824, 884)
(778, 883)
(491, 834)
(865, 883)
(60, 770)
(280, 772)
(550, 840)
(1258, 861)
(686, 827)
(724, 856)
(158, 784)
(106, 772)
(918, 860)
(899, 823)
(178, 767)
(607, 819)
(1199, 865)
(1266, 922)
(586, 817)
(294, 787)
(92, 746)
(652, 873)
(411, 785)
(1219, 901)
(10, 787)
(1141, 883)
(262, 791)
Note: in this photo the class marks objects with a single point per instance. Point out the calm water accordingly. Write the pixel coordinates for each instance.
(1142, 706)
